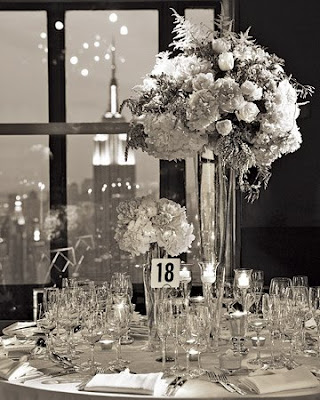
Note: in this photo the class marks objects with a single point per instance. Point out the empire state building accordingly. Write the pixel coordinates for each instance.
(114, 179)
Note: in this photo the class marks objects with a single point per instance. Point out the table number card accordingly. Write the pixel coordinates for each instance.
(165, 272)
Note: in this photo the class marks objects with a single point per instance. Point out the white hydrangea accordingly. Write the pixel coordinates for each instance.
(168, 138)
(163, 222)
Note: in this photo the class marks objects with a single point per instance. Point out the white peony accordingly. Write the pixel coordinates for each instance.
(248, 112)
(251, 90)
(202, 110)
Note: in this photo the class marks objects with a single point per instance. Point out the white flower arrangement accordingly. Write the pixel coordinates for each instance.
(144, 221)
(223, 92)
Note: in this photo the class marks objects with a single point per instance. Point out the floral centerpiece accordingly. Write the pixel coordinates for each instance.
(144, 222)
(156, 228)
(223, 92)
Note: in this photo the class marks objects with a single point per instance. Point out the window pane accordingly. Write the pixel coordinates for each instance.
(24, 204)
(200, 16)
(116, 55)
(90, 38)
(23, 69)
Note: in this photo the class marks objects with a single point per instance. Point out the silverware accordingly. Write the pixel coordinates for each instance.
(175, 385)
(178, 385)
(225, 379)
(217, 378)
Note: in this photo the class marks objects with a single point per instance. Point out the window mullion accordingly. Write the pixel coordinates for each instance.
(57, 113)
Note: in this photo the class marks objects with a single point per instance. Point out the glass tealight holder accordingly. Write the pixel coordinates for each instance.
(241, 284)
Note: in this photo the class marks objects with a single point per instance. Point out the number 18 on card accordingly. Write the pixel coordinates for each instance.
(165, 272)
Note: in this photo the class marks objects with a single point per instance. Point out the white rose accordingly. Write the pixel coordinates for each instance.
(251, 90)
(247, 112)
(220, 45)
(224, 127)
(226, 61)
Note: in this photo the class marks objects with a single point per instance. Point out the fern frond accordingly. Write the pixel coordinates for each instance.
(187, 35)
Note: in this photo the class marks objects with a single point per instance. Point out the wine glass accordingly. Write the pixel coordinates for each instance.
(201, 330)
(302, 311)
(178, 309)
(69, 317)
(92, 331)
(117, 319)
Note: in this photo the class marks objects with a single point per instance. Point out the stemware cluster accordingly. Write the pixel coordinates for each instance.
(94, 309)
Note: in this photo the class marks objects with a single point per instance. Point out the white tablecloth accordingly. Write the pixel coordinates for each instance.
(143, 362)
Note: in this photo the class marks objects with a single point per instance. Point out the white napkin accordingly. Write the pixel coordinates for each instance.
(125, 382)
(298, 378)
(15, 347)
(12, 370)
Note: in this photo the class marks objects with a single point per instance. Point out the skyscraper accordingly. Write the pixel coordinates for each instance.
(114, 179)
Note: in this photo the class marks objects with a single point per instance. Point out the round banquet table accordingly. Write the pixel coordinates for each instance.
(142, 362)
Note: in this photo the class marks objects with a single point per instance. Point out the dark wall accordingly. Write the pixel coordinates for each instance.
(281, 231)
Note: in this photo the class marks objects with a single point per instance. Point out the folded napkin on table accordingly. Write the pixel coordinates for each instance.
(12, 370)
(298, 378)
(125, 382)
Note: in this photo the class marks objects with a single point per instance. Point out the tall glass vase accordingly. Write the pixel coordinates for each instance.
(217, 212)
(151, 296)
(214, 206)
